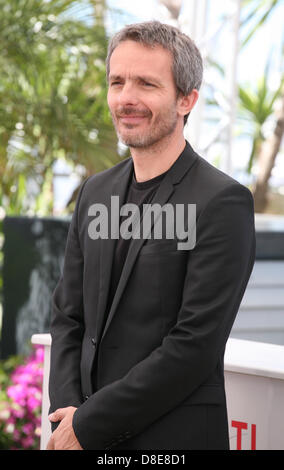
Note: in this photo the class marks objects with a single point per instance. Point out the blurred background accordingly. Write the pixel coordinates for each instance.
(55, 130)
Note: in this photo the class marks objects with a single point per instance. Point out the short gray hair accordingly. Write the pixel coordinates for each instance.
(187, 60)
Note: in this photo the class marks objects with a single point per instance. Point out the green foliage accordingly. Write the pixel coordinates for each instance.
(256, 14)
(52, 97)
(7, 366)
(257, 105)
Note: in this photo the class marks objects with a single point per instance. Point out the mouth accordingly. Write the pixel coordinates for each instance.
(131, 119)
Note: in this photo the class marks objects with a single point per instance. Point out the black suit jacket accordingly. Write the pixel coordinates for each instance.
(158, 359)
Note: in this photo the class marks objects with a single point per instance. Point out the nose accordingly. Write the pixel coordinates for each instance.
(128, 95)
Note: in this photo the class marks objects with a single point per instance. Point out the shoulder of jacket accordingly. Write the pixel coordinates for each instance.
(109, 173)
(217, 181)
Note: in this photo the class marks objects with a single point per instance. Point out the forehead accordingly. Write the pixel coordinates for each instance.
(131, 57)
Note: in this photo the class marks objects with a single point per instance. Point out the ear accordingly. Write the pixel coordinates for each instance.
(187, 102)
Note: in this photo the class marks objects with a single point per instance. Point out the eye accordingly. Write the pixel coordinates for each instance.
(148, 84)
(115, 83)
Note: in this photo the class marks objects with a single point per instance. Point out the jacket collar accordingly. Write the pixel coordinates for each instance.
(183, 163)
(177, 171)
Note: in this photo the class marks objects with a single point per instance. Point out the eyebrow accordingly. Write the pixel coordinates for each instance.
(145, 78)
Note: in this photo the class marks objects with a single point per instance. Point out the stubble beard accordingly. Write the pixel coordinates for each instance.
(163, 126)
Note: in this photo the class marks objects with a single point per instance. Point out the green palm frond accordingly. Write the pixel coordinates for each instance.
(256, 14)
(52, 91)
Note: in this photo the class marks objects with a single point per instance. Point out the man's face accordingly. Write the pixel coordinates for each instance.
(142, 95)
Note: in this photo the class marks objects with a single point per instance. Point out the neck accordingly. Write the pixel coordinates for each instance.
(152, 161)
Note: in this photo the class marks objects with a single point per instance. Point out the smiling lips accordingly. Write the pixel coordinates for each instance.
(131, 119)
(129, 115)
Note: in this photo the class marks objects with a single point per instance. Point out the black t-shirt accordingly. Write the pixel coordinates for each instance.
(139, 194)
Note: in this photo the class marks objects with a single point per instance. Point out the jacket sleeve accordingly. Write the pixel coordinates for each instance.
(67, 324)
(218, 270)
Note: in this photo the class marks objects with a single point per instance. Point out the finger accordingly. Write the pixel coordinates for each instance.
(57, 415)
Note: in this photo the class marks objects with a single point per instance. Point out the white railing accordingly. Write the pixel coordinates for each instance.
(254, 380)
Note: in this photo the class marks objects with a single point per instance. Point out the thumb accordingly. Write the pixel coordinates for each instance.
(57, 415)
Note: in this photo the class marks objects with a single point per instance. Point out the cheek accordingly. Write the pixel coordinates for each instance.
(153, 105)
(110, 100)
(159, 111)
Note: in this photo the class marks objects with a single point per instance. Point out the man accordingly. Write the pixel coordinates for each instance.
(140, 323)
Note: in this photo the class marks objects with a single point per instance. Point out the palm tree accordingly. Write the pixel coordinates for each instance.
(52, 95)
(266, 151)
(267, 157)
(256, 15)
(256, 107)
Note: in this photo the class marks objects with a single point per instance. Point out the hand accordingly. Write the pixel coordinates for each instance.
(63, 438)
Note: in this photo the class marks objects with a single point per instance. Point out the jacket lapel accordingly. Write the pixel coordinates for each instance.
(107, 246)
(165, 190)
